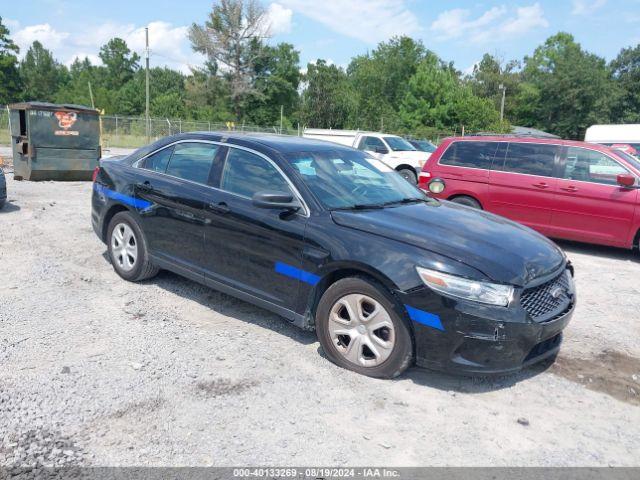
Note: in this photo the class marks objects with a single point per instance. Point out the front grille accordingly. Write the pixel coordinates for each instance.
(549, 300)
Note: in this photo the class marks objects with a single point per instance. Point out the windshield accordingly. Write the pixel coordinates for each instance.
(426, 146)
(344, 179)
(629, 158)
(398, 144)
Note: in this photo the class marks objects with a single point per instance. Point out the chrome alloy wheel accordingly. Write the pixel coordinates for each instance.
(124, 246)
(361, 330)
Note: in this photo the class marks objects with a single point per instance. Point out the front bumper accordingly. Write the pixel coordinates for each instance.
(476, 339)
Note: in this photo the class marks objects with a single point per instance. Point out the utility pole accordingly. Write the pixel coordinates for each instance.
(91, 95)
(504, 91)
(146, 52)
(281, 115)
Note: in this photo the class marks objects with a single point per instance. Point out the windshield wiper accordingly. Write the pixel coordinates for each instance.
(405, 200)
(362, 206)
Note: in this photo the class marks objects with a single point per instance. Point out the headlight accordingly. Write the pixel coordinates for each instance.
(436, 185)
(482, 292)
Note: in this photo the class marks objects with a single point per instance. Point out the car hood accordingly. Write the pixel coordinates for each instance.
(501, 249)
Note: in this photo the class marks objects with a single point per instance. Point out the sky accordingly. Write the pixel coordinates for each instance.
(334, 30)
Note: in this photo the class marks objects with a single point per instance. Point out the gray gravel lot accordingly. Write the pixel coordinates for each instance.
(95, 370)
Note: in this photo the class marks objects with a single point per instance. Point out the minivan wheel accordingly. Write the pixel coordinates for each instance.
(128, 249)
(361, 328)
(467, 201)
(409, 175)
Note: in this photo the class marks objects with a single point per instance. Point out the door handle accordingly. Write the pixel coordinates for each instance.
(540, 185)
(221, 207)
(570, 189)
(145, 186)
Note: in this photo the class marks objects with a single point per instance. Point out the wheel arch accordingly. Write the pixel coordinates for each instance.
(406, 166)
(337, 272)
(111, 212)
(468, 195)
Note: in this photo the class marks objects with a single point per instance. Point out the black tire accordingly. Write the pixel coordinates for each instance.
(142, 269)
(409, 175)
(17, 178)
(401, 356)
(2, 203)
(467, 201)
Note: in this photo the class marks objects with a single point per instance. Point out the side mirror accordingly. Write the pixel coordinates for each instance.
(382, 150)
(626, 180)
(276, 200)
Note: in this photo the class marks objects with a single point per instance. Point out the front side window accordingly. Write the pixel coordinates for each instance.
(158, 161)
(245, 174)
(192, 161)
(344, 179)
(591, 166)
(398, 144)
(470, 154)
(371, 144)
(530, 159)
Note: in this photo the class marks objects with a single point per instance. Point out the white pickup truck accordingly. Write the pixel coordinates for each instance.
(394, 151)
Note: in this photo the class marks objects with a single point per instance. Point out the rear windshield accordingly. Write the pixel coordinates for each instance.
(470, 154)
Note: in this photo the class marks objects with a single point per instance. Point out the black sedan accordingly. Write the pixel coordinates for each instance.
(334, 240)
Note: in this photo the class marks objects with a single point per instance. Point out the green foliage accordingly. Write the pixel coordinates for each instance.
(41, 74)
(120, 63)
(327, 100)
(576, 88)
(436, 98)
(10, 83)
(626, 71)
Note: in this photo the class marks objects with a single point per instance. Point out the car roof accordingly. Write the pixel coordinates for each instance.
(546, 141)
(280, 143)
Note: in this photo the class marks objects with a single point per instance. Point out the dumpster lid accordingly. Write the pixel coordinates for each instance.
(52, 106)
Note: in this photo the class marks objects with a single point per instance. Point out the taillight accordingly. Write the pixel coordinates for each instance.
(95, 174)
(423, 179)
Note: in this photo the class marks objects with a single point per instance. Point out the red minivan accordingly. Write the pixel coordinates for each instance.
(564, 189)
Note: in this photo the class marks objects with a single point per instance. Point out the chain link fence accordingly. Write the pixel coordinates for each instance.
(131, 132)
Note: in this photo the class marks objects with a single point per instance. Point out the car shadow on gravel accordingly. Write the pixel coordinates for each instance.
(9, 207)
(472, 384)
(601, 251)
(227, 305)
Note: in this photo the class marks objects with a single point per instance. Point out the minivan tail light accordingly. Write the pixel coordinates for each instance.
(423, 179)
(95, 174)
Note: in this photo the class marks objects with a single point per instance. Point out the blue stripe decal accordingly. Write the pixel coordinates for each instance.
(121, 197)
(293, 272)
(425, 318)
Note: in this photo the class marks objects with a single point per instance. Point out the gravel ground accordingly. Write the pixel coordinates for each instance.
(98, 371)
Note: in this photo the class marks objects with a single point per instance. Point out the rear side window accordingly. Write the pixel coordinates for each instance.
(192, 161)
(530, 159)
(591, 166)
(470, 154)
(371, 143)
(245, 174)
(157, 161)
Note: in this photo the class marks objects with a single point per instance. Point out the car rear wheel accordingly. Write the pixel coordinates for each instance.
(467, 201)
(409, 175)
(128, 249)
(361, 328)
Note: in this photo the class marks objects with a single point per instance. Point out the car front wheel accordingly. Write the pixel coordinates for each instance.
(128, 249)
(408, 175)
(361, 328)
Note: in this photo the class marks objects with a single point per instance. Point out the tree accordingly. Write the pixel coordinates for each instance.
(41, 75)
(327, 100)
(120, 63)
(437, 99)
(487, 77)
(228, 39)
(380, 81)
(575, 88)
(626, 70)
(277, 78)
(10, 84)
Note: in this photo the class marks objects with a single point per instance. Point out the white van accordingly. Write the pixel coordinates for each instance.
(614, 134)
(394, 151)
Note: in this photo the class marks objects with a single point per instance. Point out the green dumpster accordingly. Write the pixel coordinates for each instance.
(54, 142)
